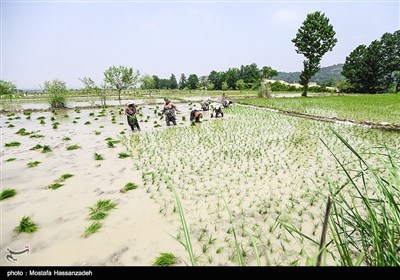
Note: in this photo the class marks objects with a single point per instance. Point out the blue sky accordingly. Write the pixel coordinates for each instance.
(43, 40)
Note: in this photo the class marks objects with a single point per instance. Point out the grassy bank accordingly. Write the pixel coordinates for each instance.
(369, 108)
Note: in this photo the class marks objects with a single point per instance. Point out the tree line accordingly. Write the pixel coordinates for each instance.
(375, 68)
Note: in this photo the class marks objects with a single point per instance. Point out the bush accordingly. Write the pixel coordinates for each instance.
(57, 91)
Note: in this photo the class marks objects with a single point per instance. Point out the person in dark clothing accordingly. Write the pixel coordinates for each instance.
(226, 103)
(130, 112)
(205, 105)
(169, 111)
(195, 116)
(217, 111)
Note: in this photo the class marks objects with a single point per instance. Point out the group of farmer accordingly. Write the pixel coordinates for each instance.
(170, 109)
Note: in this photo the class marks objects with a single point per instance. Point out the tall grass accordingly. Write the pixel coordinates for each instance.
(365, 220)
(188, 243)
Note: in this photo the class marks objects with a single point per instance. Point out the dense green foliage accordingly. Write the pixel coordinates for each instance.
(120, 78)
(313, 39)
(57, 91)
(375, 68)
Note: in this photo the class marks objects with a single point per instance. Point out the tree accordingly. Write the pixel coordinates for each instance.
(92, 88)
(210, 86)
(373, 69)
(224, 86)
(182, 81)
(157, 83)
(313, 39)
(57, 91)
(7, 88)
(120, 78)
(193, 81)
(172, 82)
(240, 85)
(232, 76)
(148, 83)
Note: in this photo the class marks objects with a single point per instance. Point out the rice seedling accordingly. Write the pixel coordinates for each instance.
(66, 138)
(92, 228)
(74, 121)
(41, 118)
(22, 132)
(55, 186)
(26, 225)
(123, 155)
(46, 149)
(6, 193)
(98, 156)
(73, 147)
(33, 163)
(36, 136)
(97, 132)
(10, 159)
(103, 205)
(36, 147)
(165, 259)
(130, 186)
(10, 125)
(87, 123)
(65, 177)
(12, 144)
(42, 122)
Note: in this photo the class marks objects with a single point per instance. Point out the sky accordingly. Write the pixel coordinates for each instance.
(68, 40)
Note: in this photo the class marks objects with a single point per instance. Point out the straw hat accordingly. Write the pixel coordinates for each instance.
(130, 103)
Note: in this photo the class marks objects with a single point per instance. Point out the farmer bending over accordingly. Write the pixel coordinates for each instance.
(169, 111)
(217, 111)
(195, 116)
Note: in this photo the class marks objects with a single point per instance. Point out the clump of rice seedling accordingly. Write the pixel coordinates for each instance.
(104, 205)
(36, 136)
(91, 114)
(123, 155)
(33, 163)
(66, 138)
(55, 186)
(66, 116)
(12, 144)
(46, 149)
(122, 132)
(74, 121)
(55, 125)
(99, 212)
(92, 228)
(98, 156)
(6, 193)
(65, 177)
(11, 159)
(183, 118)
(110, 144)
(77, 110)
(22, 132)
(129, 186)
(73, 147)
(165, 259)
(36, 147)
(87, 123)
(52, 118)
(97, 132)
(10, 125)
(40, 118)
(26, 225)
(42, 122)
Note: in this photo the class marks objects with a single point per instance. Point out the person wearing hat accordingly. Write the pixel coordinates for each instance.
(169, 111)
(130, 112)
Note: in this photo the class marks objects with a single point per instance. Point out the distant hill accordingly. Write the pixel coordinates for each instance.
(323, 76)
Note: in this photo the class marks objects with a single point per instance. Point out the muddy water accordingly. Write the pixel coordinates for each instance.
(133, 234)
